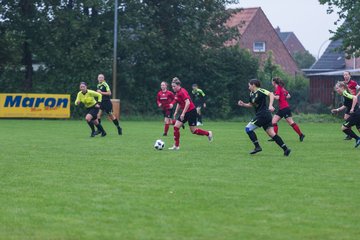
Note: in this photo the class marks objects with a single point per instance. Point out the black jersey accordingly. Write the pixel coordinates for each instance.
(258, 100)
(348, 100)
(199, 97)
(104, 87)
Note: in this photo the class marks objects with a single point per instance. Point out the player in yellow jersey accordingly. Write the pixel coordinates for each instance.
(87, 97)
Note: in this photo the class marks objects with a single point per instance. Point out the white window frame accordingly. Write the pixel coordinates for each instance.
(258, 48)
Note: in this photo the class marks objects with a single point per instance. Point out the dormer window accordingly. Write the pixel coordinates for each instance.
(259, 46)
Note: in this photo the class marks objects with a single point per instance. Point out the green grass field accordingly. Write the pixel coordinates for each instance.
(58, 183)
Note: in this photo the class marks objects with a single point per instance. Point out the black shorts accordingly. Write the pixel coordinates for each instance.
(93, 111)
(106, 106)
(168, 113)
(189, 117)
(198, 104)
(284, 113)
(353, 120)
(263, 120)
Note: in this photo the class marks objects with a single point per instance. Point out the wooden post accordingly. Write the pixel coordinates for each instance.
(116, 107)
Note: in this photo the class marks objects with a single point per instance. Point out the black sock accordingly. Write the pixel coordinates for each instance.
(199, 118)
(350, 133)
(99, 120)
(116, 122)
(253, 138)
(279, 142)
(100, 127)
(91, 124)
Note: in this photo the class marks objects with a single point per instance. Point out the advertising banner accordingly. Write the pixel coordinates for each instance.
(27, 105)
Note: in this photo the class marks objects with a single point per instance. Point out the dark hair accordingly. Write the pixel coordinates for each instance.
(278, 81)
(83, 83)
(176, 81)
(254, 82)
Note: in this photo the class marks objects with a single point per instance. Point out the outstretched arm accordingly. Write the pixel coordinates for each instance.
(271, 102)
(242, 104)
(354, 102)
(336, 110)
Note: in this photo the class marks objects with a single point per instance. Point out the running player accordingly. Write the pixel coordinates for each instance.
(199, 101)
(284, 111)
(349, 103)
(262, 117)
(106, 105)
(164, 99)
(87, 97)
(352, 87)
(187, 114)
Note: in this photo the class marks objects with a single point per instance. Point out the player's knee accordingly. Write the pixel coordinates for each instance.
(247, 129)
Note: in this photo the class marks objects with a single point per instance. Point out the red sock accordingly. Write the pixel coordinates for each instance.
(173, 122)
(296, 129)
(177, 136)
(199, 131)
(276, 128)
(166, 128)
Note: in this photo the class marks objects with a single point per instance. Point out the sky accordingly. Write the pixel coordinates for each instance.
(306, 18)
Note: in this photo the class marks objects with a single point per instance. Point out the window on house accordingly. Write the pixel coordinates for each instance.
(259, 47)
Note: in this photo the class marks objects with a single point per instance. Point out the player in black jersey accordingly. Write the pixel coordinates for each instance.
(106, 105)
(199, 101)
(350, 103)
(262, 117)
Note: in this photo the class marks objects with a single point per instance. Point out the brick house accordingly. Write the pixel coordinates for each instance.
(259, 36)
(292, 43)
(327, 70)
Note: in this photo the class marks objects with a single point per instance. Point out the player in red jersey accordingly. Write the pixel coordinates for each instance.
(352, 88)
(187, 114)
(284, 111)
(164, 99)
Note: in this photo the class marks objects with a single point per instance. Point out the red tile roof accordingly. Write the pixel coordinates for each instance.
(242, 18)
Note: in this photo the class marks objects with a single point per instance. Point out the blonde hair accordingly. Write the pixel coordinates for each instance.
(341, 85)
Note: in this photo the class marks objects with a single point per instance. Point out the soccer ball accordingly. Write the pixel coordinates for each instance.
(159, 144)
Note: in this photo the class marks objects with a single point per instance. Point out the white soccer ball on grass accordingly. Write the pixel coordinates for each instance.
(159, 144)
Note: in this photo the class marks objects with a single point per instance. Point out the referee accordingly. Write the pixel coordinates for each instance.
(87, 97)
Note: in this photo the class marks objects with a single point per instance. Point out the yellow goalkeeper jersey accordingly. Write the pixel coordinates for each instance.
(88, 99)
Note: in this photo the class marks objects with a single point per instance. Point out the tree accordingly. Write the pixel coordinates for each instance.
(304, 59)
(20, 20)
(163, 39)
(348, 31)
(224, 75)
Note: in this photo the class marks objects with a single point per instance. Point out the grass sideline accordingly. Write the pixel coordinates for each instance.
(58, 183)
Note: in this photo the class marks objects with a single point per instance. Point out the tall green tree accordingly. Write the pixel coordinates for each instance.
(348, 11)
(224, 76)
(167, 39)
(19, 21)
(304, 59)
(77, 45)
